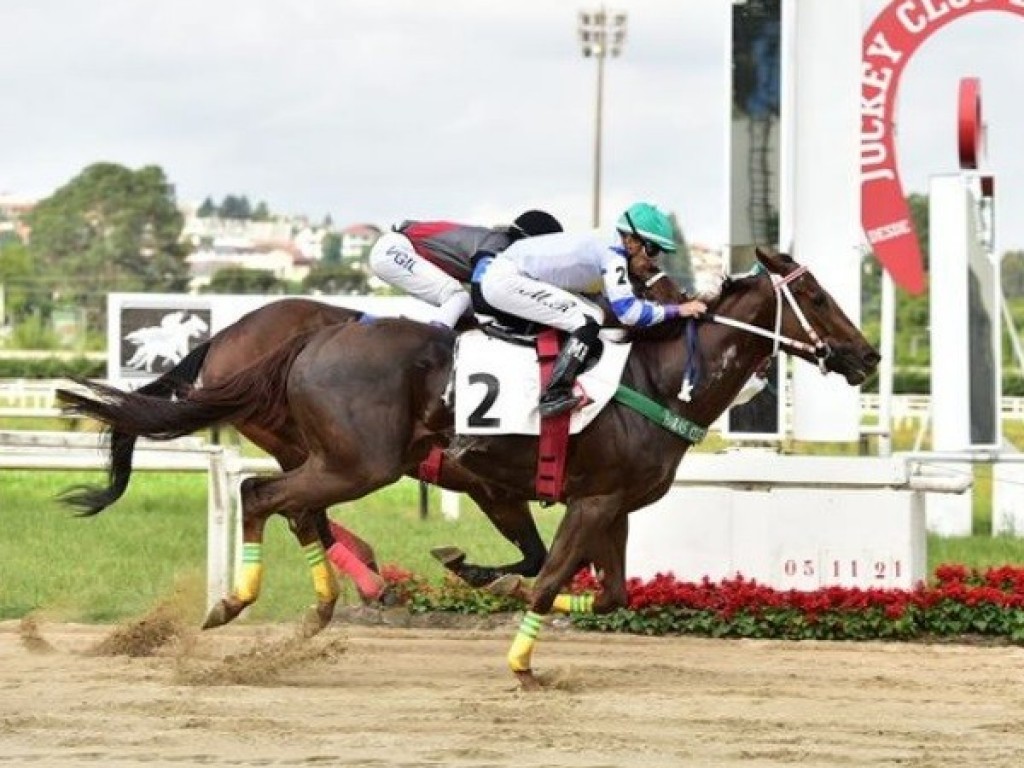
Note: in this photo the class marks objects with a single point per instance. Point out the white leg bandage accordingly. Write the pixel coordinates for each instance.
(395, 261)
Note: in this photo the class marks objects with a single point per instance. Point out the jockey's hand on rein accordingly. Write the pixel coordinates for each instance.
(695, 308)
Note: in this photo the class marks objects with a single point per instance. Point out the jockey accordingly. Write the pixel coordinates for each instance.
(431, 259)
(533, 279)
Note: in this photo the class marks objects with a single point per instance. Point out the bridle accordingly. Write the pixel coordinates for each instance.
(818, 348)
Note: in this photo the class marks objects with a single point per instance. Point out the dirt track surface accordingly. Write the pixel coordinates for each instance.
(384, 696)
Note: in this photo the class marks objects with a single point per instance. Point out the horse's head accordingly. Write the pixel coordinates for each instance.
(811, 317)
(651, 283)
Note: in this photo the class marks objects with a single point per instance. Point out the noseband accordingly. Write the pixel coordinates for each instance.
(818, 348)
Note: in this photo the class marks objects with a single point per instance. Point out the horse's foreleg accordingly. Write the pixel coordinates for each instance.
(513, 521)
(565, 559)
(359, 547)
(512, 518)
(578, 540)
(607, 550)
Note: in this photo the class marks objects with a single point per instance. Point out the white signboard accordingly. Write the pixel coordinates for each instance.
(149, 333)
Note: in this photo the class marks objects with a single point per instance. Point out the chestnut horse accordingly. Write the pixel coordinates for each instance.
(260, 332)
(368, 399)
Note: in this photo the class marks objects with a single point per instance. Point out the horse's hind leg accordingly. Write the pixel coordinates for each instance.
(249, 581)
(305, 526)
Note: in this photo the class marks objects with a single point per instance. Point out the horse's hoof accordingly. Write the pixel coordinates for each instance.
(449, 557)
(219, 615)
(224, 611)
(509, 585)
(527, 682)
(386, 598)
(316, 619)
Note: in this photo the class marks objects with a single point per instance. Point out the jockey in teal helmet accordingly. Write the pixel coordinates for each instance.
(649, 225)
(540, 279)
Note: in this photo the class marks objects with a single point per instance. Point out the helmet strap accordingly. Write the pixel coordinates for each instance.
(644, 242)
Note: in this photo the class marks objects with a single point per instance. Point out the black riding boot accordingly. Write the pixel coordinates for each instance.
(558, 396)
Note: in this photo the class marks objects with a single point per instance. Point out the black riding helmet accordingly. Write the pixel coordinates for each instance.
(533, 223)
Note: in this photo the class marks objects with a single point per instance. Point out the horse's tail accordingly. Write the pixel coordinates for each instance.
(252, 394)
(93, 499)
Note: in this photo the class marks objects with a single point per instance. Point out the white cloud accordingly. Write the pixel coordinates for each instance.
(377, 110)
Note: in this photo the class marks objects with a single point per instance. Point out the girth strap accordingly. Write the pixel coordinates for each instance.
(554, 431)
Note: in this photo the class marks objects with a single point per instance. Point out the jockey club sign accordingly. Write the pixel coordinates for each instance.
(889, 43)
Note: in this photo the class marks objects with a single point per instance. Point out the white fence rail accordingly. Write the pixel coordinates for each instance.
(224, 467)
(36, 397)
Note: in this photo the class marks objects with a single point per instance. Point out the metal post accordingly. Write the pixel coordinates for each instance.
(602, 34)
(887, 367)
(596, 215)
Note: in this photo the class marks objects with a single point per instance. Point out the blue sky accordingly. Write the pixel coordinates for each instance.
(378, 110)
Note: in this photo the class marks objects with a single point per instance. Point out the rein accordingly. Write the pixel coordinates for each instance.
(818, 348)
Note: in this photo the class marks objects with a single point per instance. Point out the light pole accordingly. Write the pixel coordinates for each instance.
(602, 34)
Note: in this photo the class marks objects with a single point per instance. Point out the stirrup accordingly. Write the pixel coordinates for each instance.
(557, 401)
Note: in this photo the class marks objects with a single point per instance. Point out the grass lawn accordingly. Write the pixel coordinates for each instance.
(118, 563)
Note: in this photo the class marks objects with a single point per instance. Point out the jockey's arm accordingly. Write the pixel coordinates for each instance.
(626, 306)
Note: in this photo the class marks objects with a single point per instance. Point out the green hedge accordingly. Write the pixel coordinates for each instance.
(919, 382)
(908, 381)
(51, 368)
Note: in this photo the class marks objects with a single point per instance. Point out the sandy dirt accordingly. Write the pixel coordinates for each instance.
(159, 694)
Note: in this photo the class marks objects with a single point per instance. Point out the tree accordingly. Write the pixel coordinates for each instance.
(331, 251)
(235, 207)
(1013, 274)
(207, 209)
(336, 278)
(109, 229)
(243, 280)
(261, 213)
(24, 292)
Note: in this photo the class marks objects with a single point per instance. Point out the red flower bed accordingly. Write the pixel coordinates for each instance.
(959, 602)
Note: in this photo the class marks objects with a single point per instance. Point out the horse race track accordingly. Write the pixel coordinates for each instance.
(362, 695)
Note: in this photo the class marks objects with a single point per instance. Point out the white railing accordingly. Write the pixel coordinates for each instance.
(225, 469)
(34, 397)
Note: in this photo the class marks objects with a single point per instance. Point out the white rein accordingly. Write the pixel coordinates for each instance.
(817, 347)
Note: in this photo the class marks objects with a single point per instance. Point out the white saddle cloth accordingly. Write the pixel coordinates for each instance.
(497, 386)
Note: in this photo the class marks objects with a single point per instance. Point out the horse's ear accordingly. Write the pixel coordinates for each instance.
(768, 259)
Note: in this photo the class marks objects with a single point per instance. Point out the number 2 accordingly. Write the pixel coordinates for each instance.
(479, 417)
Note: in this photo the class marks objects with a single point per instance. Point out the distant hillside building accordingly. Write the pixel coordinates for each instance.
(13, 210)
(357, 240)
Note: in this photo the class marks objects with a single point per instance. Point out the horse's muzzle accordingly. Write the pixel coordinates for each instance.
(854, 365)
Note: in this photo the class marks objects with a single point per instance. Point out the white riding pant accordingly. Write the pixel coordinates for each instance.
(505, 288)
(395, 261)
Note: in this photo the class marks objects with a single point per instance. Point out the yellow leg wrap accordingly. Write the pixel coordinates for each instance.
(573, 604)
(324, 583)
(249, 580)
(522, 647)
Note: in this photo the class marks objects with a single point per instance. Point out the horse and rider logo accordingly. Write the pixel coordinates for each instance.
(155, 340)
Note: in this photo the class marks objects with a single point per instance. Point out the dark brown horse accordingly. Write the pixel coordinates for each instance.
(274, 327)
(368, 401)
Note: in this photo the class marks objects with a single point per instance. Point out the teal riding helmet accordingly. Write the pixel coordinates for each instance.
(648, 223)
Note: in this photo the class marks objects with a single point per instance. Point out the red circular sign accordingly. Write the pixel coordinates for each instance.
(969, 128)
